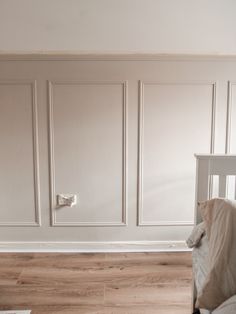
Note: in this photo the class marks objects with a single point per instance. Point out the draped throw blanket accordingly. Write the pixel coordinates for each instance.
(219, 216)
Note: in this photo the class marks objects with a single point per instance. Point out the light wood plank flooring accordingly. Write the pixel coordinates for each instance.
(115, 283)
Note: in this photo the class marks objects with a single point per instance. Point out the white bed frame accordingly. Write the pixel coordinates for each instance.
(207, 167)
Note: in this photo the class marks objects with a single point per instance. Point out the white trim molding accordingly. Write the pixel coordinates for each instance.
(142, 84)
(229, 116)
(124, 220)
(37, 208)
(95, 247)
(112, 56)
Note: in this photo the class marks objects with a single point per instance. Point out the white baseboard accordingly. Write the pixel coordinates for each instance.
(95, 247)
(16, 312)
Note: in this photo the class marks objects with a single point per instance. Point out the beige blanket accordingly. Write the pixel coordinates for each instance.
(219, 216)
(228, 307)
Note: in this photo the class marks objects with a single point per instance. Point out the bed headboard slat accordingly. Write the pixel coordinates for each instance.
(235, 188)
(222, 186)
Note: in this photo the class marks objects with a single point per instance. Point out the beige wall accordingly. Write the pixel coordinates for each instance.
(119, 134)
(150, 26)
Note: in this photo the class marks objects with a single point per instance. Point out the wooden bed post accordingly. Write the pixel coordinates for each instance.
(203, 186)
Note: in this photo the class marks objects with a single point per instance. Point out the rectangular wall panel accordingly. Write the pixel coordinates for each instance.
(88, 152)
(231, 119)
(19, 177)
(176, 121)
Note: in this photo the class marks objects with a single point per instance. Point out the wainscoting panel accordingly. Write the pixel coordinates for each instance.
(119, 132)
(176, 119)
(88, 152)
(231, 119)
(19, 179)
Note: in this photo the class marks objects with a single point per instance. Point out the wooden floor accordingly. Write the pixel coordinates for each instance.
(133, 283)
